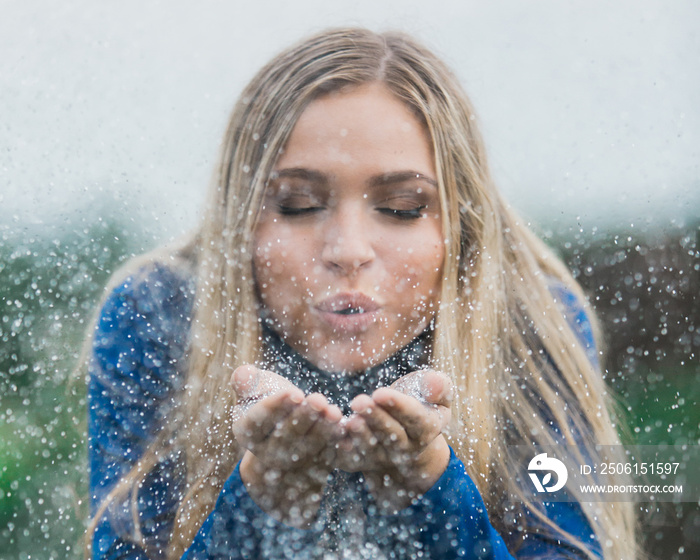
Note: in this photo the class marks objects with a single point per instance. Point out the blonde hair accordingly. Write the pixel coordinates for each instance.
(500, 333)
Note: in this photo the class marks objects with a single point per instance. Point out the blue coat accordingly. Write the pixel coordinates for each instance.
(137, 367)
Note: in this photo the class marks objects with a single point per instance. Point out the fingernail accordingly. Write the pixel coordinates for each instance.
(297, 397)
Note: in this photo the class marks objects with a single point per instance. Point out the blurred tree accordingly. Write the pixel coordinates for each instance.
(50, 281)
(646, 291)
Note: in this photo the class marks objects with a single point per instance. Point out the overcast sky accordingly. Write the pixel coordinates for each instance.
(590, 109)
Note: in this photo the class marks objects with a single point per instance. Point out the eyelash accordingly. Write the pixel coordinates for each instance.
(292, 211)
(410, 214)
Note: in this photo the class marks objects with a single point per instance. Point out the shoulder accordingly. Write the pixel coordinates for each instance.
(142, 330)
(136, 366)
(575, 310)
(155, 293)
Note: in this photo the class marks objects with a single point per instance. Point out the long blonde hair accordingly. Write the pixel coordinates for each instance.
(499, 332)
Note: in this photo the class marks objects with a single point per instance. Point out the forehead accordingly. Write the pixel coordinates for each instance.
(365, 126)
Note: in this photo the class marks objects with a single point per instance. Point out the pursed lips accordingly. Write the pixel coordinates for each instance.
(348, 303)
(350, 312)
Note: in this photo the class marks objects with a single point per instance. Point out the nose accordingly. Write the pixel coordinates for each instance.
(348, 241)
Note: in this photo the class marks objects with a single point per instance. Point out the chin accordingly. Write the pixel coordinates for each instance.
(348, 359)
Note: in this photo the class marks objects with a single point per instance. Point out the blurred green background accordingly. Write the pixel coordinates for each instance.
(645, 287)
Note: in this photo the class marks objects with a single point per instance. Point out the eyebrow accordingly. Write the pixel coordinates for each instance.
(400, 177)
(376, 181)
(300, 173)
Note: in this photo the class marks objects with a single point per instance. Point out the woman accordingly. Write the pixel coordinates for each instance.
(393, 331)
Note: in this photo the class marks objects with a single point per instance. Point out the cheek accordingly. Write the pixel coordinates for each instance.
(270, 253)
(283, 261)
(275, 246)
(268, 262)
(417, 269)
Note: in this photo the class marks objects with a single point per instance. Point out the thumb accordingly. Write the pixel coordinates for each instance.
(427, 386)
(436, 388)
(245, 380)
(251, 382)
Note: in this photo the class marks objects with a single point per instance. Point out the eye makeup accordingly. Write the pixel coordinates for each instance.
(399, 196)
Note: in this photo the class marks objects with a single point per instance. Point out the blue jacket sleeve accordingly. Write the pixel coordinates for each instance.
(577, 318)
(450, 521)
(135, 369)
(237, 529)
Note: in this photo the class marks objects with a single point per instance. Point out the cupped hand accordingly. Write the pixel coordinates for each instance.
(290, 441)
(397, 431)
(281, 426)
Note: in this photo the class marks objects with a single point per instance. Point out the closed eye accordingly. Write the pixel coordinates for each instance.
(401, 214)
(298, 211)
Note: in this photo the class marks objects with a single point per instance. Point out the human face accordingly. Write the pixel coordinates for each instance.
(349, 247)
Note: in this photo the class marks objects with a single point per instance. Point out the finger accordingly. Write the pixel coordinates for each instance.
(383, 425)
(319, 442)
(257, 422)
(252, 383)
(353, 446)
(411, 384)
(437, 388)
(430, 387)
(427, 386)
(315, 409)
(244, 380)
(320, 404)
(364, 445)
(309, 429)
(303, 417)
(422, 422)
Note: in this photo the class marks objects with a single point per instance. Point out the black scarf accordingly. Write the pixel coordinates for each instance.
(340, 388)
